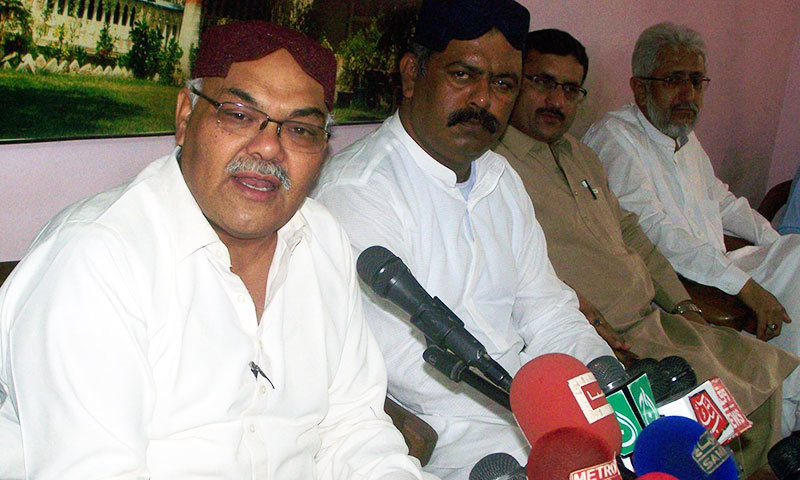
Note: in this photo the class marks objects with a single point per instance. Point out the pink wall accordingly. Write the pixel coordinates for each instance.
(786, 156)
(748, 123)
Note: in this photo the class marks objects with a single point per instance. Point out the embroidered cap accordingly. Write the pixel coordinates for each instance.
(222, 45)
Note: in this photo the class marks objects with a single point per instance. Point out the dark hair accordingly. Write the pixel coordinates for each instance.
(558, 42)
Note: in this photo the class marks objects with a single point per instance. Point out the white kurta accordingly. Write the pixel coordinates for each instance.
(485, 257)
(685, 210)
(125, 344)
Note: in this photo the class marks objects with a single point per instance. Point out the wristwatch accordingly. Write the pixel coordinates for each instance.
(684, 307)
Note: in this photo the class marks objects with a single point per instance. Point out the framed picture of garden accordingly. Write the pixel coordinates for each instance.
(111, 68)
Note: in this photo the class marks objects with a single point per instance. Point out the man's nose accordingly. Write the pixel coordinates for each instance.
(556, 97)
(481, 94)
(267, 142)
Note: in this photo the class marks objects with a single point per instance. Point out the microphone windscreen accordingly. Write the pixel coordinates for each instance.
(683, 448)
(656, 476)
(679, 373)
(658, 379)
(558, 454)
(555, 391)
(497, 466)
(784, 458)
(610, 374)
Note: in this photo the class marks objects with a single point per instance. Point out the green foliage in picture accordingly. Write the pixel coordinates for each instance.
(105, 47)
(144, 55)
(14, 19)
(168, 63)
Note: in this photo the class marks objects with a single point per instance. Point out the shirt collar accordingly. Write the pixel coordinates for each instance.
(190, 229)
(425, 162)
(520, 144)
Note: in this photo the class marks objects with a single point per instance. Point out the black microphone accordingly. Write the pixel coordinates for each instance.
(390, 278)
(784, 458)
(658, 378)
(679, 375)
(630, 397)
(497, 466)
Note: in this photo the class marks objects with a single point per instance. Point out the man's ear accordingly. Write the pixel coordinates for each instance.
(409, 72)
(183, 109)
(639, 89)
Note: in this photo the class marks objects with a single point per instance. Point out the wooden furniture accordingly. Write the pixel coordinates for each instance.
(419, 436)
(719, 307)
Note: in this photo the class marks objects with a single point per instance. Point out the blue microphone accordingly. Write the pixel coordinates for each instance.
(682, 448)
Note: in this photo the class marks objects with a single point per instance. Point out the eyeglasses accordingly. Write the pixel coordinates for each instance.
(248, 122)
(675, 81)
(545, 84)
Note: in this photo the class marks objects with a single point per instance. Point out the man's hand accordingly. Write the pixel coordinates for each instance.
(614, 340)
(770, 314)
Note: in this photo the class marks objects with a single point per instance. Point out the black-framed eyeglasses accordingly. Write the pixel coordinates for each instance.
(675, 81)
(248, 122)
(545, 83)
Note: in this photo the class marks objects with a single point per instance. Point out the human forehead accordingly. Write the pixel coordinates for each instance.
(679, 60)
(275, 83)
(490, 53)
(564, 68)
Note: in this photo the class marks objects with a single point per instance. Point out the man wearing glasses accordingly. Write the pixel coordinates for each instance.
(601, 251)
(203, 320)
(658, 170)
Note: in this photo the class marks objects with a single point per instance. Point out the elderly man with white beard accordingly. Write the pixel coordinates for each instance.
(658, 170)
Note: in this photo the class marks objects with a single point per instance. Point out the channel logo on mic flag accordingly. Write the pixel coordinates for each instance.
(635, 408)
(589, 397)
(708, 413)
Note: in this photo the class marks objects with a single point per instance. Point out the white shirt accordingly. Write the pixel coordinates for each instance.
(386, 190)
(682, 206)
(125, 343)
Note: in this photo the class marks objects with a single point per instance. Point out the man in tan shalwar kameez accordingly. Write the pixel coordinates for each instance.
(602, 253)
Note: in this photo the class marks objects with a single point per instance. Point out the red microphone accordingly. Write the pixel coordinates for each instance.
(656, 476)
(565, 417)
(572, 454)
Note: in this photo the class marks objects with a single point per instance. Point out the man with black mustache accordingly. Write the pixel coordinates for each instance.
(599, 249)
(426, 186)
(658, 170)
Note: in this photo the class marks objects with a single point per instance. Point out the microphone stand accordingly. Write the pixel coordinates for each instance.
(458, 370)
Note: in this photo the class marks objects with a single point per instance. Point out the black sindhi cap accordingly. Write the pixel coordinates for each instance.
(443, 20)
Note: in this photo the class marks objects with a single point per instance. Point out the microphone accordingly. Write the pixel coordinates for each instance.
(784, 458)
(564, 415)
(657, 378)
(630, 397)
(682, 448)
(678, 375)
(656, 476)
(390, 278)
(497, 466)
(572, 454)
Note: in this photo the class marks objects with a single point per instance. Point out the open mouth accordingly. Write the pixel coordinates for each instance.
(258, 183)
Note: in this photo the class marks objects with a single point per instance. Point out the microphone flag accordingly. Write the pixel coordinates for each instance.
(635, 408)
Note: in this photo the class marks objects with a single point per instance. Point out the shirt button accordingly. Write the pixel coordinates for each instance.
(252, 428)
(575, 193)
(240, 299)
(262, 390)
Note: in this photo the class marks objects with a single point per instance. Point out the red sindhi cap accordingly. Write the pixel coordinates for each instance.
(222, 45)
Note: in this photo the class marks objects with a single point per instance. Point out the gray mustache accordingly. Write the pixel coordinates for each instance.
(262, 167)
